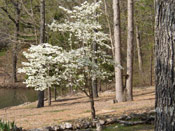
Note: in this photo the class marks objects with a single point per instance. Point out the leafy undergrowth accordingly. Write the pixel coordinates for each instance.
(6, 126)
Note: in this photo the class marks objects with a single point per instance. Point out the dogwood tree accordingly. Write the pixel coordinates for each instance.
(83, 26)
(49, 65)
(43, 67)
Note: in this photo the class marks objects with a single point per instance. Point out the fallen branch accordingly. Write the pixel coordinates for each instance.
(131, 123)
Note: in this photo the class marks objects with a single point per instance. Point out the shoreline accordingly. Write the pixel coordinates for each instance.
(14, 85)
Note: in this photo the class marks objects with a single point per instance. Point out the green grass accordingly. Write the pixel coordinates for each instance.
(87, 111)
(2, 53)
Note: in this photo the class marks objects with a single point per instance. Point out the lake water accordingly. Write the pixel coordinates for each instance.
(13, 97)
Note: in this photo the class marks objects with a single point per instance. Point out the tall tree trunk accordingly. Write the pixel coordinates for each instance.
(14, 50)
(71, 91)
(40, 99)
(42, 40)
(138, 39)
(117, 58)
(49, 96)
(55, 93)
(100, 88)
(91, 99)
(42, 21)
(151, 68)
(164, 63)
(139, 50)
(95, 88)
(152, 53)
(89, 94)
(109, 26)
(130, 40)
(35, 23)
(94, 82)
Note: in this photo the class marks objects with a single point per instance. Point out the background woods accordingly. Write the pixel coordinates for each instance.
(22, 27)
(64, 47)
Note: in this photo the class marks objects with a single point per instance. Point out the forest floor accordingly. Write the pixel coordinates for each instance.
(77, 107)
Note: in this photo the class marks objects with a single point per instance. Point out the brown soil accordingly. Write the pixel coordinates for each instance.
(76, 107)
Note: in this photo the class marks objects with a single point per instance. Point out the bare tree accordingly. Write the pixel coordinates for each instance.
(16, 21)
(14, 58)
(139, 53)
(130, 40)
(42, 40)
(117, 57)
(30, 13)
(109, 26)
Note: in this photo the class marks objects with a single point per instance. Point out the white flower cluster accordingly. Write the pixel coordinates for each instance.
(83, 24)
(42, 67)
(49, 65)
(80, 69)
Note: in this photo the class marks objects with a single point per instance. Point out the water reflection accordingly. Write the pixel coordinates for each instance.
(13, 97)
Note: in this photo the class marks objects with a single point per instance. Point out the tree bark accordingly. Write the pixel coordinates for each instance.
(42, 40)
(164, 63)
(71, 90)
(49, 96)
(42, 21)
(139, 50)
(109, 26)
(117, 58)
(40, 99)
(130, 40)
(94, 82)
(55, 93)
(89, 94)
(100, 88)
(91, 99)
(95, 88)
(151, 68)
(139, 54)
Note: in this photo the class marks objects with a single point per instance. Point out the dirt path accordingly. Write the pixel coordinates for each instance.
(75, 107)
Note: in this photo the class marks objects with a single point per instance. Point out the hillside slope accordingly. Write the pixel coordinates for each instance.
(76, 107)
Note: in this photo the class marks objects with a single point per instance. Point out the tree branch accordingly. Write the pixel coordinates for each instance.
(83, 90)
(8, 14)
